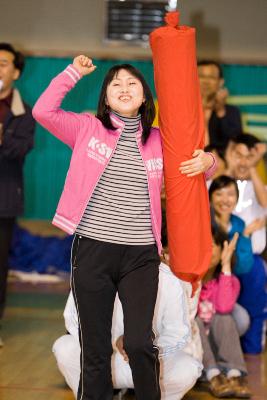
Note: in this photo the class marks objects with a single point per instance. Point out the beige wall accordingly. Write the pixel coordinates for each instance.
(230, 30)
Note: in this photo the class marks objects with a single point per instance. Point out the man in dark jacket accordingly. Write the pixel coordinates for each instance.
(222, 121)
(16, 139)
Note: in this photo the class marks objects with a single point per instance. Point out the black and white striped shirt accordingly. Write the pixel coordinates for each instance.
(119, 209)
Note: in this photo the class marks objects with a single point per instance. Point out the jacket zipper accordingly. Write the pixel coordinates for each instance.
(158, 241)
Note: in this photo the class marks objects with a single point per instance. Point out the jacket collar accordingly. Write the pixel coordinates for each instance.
(17, 106)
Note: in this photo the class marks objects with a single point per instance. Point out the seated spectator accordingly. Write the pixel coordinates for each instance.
(223, 194)
(222, 355)
(179, 369)
(222, 121)
(242, 160)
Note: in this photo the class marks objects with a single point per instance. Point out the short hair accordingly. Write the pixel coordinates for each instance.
(147, 109)
(247, 139)
(19, 60)
(222, 182)
(204, 63)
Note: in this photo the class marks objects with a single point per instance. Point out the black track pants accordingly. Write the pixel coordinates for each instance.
(99, 270)
(6, 232)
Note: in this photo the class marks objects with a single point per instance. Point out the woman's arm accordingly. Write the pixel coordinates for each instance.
(63, 124)
(200, 163)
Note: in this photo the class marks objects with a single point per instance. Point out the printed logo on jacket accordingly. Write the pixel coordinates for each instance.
(154, 167)
(98, 151)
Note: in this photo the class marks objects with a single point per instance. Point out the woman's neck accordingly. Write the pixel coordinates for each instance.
(223, 220)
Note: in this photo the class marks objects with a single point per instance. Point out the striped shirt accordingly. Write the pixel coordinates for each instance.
(119, 209)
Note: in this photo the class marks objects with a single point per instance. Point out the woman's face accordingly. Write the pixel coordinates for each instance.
(125, 94)
(224, 200)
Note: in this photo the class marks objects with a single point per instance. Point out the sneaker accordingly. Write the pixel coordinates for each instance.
(219, 386)
(240, 388)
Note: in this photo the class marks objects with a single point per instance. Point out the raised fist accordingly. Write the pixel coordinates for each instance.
(84, 65)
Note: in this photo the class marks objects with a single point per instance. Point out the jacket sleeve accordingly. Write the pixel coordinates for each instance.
(175, 330)
(65, 125)
(17, 145)
(243, 253)
(227, 293)
(208, 174)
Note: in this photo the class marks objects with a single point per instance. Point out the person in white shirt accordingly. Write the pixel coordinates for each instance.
(246, 152)
(180, 352)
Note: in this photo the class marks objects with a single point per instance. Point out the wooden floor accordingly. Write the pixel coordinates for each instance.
(27, 367)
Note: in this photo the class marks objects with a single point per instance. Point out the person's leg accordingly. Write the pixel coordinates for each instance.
(137, 289)
(225, 340)
(242, 319)
(94, 293)
(209, 360)
(6, 232)
(67, 350)
(121, 372)
(179, 372)
(218, 384)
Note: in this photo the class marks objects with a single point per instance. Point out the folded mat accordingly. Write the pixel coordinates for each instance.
(182, 128)
(41, 254)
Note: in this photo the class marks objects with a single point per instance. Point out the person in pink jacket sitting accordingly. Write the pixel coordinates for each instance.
(111, 201)
(223, 359)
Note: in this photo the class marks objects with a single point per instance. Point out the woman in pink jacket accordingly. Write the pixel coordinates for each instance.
(111, 201)
(223, 359)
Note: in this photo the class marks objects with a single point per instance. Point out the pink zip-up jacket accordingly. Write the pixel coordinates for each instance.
(222, 293)
(93, 146)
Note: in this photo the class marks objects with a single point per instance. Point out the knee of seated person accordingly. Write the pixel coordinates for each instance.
(242, 319)
(224, 320)
(65, 348)
(183, 374)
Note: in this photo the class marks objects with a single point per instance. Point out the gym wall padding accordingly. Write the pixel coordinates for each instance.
(47, 164)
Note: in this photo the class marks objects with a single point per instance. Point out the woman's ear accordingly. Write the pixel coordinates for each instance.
(221, 83)
(16, 74)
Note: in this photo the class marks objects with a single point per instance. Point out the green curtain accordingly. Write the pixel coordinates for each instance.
(46, 166)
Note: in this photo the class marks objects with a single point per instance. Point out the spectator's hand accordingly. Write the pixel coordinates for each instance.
(254, 226)
(200, 163)
(227, 253)
(257, 153)
(84, 65)
(119, 345)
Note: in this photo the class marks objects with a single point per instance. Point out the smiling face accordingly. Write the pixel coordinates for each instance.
(243, 157)
(125, 94)
(224, 200)
(8, 71)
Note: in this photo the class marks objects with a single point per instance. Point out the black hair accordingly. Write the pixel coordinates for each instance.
(204, 63)
(164, 235)
(19, 60)
(147, 109)
(222, 182)
(219, 237)
(247, 139)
